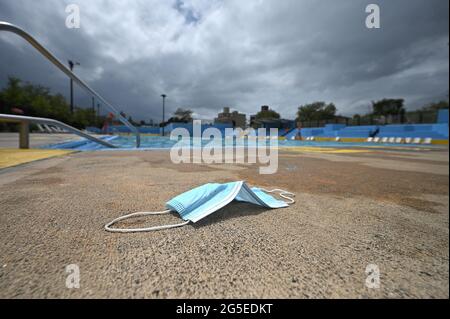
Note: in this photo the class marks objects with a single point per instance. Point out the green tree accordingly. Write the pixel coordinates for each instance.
(182, 116)
(12, 96)
(83, 118)
(267, 115)
(435, 106)
(36, 100)
(317, 111)
(130, 119)
(388, 107)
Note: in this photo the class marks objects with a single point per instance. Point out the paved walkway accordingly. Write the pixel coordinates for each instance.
(384, 208)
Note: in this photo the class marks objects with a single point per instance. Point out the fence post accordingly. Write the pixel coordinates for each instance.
(24, 135)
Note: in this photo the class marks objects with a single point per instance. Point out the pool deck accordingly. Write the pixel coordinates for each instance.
(388, 208)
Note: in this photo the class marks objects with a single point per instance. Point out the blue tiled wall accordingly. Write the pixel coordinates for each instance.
(435, 131)
(443, 117)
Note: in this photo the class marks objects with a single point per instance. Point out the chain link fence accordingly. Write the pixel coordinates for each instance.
(414, 117)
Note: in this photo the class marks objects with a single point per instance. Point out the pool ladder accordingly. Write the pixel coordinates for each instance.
(8, 27)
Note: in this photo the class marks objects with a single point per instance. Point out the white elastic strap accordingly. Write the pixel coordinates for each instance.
(282, 193)
(141, 230)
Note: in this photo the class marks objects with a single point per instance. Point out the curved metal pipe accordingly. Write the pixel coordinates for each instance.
(5, 26)
(42, 120)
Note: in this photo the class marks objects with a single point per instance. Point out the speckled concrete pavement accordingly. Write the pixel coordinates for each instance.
(384, 208)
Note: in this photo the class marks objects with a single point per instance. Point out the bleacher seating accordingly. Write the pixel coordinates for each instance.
(434, 131)
(357, 131)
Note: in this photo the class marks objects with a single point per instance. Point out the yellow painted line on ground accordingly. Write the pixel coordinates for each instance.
(13, 157)
(324, 150)
(439, 142)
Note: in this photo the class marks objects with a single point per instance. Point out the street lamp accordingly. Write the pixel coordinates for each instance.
(71, 66)
(164, 112)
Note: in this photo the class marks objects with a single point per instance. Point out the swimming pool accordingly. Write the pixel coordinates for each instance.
(158, 143)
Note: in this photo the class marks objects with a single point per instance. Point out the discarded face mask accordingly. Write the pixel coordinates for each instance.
(202, 201)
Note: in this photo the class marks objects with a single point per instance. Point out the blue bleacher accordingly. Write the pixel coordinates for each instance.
(435, 131)
(308, 132)
(357, 131)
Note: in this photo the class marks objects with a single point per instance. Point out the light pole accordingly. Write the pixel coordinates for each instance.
(164, 112)
(71, 65)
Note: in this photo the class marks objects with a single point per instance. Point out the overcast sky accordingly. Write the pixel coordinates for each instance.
(207, 54)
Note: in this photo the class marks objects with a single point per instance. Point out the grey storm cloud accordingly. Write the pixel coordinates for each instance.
(207, 54)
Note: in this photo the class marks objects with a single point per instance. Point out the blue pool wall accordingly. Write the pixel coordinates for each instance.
(443, 117)
(438, 131)
(434, 131)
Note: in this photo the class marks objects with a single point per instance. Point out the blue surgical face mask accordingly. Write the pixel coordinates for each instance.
(202, 201)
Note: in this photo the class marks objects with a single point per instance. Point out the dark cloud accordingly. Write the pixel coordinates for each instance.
(209, 54)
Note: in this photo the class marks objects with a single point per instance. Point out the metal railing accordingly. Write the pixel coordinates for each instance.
(24, 121)
(5, 26)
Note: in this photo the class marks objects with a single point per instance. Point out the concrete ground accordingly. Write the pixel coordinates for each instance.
(384, 208)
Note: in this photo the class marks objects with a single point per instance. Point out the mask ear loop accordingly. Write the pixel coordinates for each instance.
(141, 230)
(282, 193)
